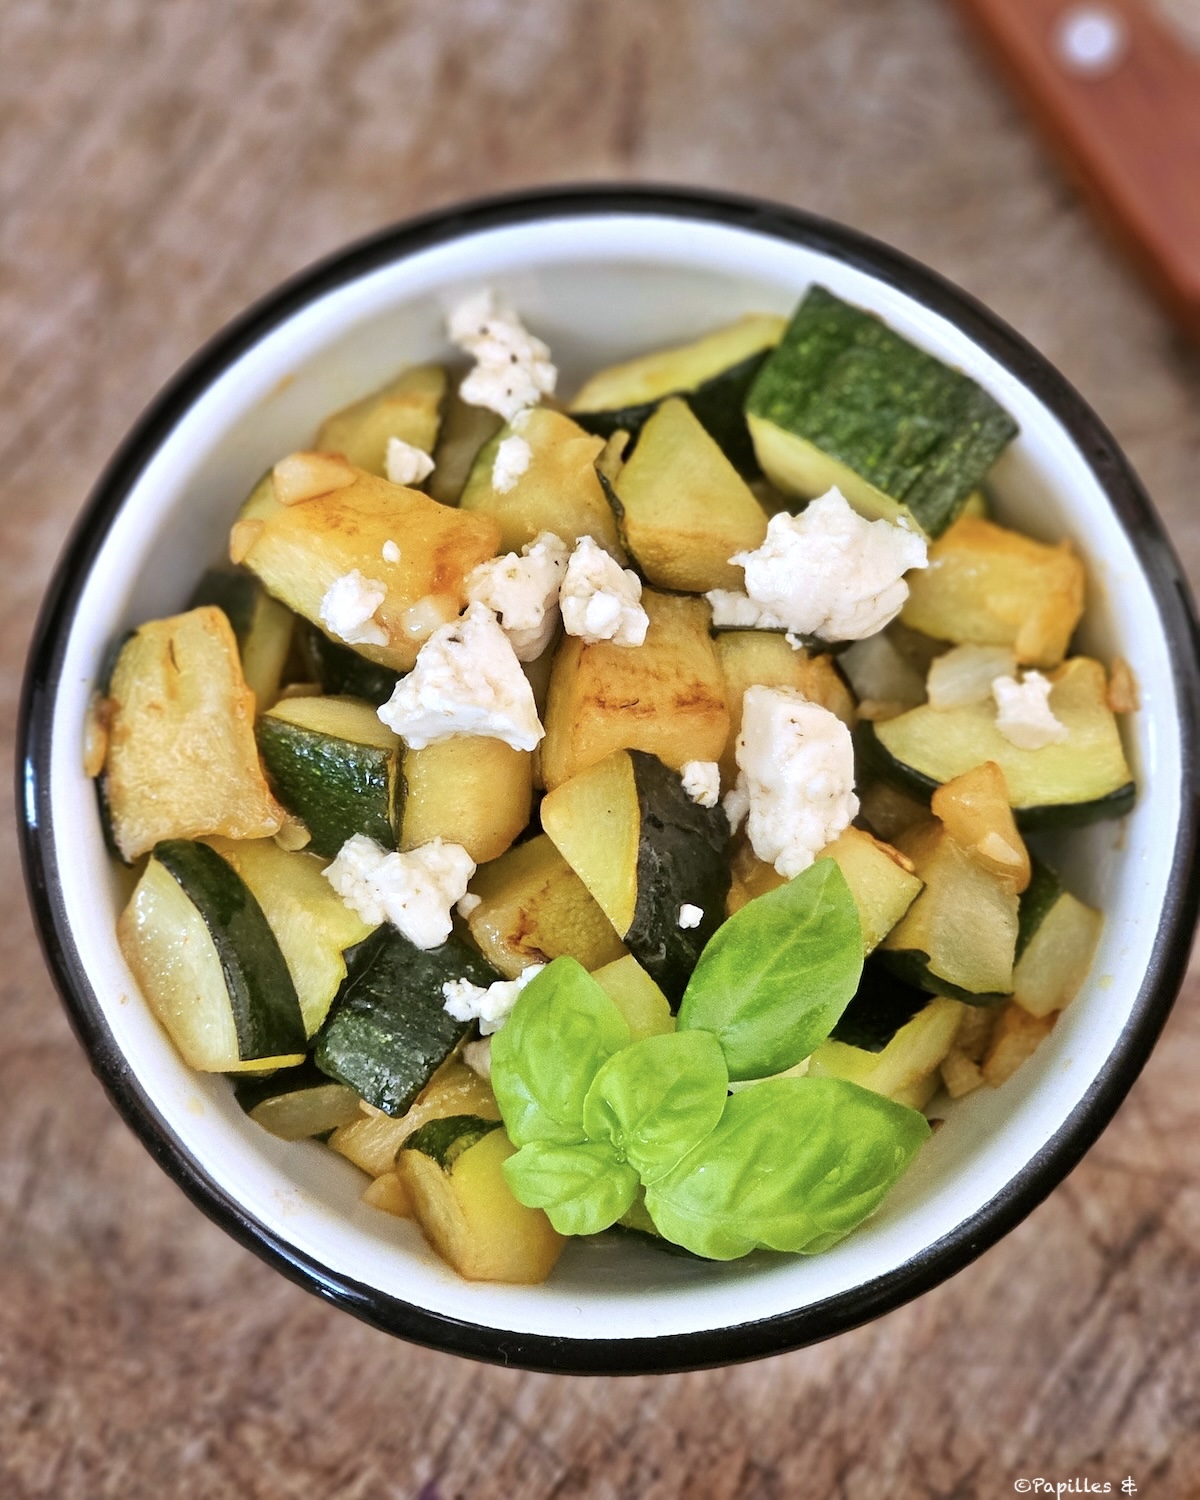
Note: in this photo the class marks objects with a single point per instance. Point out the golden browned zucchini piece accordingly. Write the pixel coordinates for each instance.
(1016, 1037)
(559, 491)
(472, 1220)
(533, 907)
(372, 1141)
(182, 760)
(686, 508)
(975, 811)
(750, 658)
(666, 697)
(407, 408)
(994, 587)
(468, 790)
(299, 551)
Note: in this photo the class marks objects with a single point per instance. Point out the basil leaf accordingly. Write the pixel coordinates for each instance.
(795, 1164)
(583, 1188)
(562, 1029)
(776, 976)
(656, 1100)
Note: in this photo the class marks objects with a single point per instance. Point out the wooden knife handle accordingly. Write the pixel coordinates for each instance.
(1125, 117)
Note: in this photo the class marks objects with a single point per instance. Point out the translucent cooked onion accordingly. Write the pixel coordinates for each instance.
(965, 675)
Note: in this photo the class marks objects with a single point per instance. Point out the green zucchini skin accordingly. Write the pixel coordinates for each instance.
(337, 787)
(251, 1091)
(445, 1140)
(683, 857)
(882, 1004)
(875, 759)
(718, 403)
(262, 998)
(235, 593)
(388, 1031)
(911, 969)
(1037, 901)
(916, 429)
(340, 670)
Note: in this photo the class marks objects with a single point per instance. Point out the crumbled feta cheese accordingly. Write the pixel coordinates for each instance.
(732, 610)
(702, 781)
(406, 463)
(736, 803)
(512, 369)
(690, 916)
(600, 600)
(828, 572)
(491, 1006)
(478, 1057)
(391, 552)
(348, 609)
(796, 775)
(1024, 716)
(466, 680)
(523, 592)
(469, 903)
(513, 457)
(414, 890)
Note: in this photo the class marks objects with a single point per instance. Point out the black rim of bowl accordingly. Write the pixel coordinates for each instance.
(681, 1351)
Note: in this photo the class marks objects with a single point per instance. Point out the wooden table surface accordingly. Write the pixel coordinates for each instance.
(163, 163)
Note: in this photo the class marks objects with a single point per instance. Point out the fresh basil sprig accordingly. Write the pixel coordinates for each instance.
(773, 979)
(795, 1164)
(593, 1113)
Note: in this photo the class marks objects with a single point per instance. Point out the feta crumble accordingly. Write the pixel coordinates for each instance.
(491, 1006)
(414, 891)
(795, 777)
(600, 600)
(349, 606)
(478, 1057)
(469, 903)
(702, 781)
(1024, 716)
(827, 572)
(513, 457)
(690, 916)
(406, 463)
(466, 680)
(391, 552)
(732, 610)
(523, 592)
(512, 368)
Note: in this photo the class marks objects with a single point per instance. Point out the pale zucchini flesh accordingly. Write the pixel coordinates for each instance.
(468, 790)
(905, 1063)
(408, 408)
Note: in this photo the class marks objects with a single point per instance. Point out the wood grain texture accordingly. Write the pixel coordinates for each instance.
(161, 165)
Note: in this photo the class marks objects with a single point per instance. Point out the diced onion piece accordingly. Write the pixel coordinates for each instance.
(965, 674)
(304, 476)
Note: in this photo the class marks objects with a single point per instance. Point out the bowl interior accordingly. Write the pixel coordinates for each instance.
(599, 288)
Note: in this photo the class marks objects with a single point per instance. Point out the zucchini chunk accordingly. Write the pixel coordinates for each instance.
(666, 697)
(988, 586)
(645, 1008)
(209, 965)
(533, 907)
(1084, 778)
(468, 790)
(465, 1208)
(750, 658)
(389, 1031)
(974, 810)
(1056, 943)
(465, 429)
(843, 400)
(560, 491)
(881, 880)
(296, 1103)
(181, 759)
(300, 551)
(1016, 1036)
(263, 627)
(684, 510)
(373, 1140)
(644, 850)
(408, 408)
(336, 766)
(905, 1069)
(312, 924)
(959, 936)
(339, 670)
(713, 375)
(881, 1006)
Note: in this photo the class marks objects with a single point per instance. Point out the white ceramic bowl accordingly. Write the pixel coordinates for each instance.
(601, 274)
